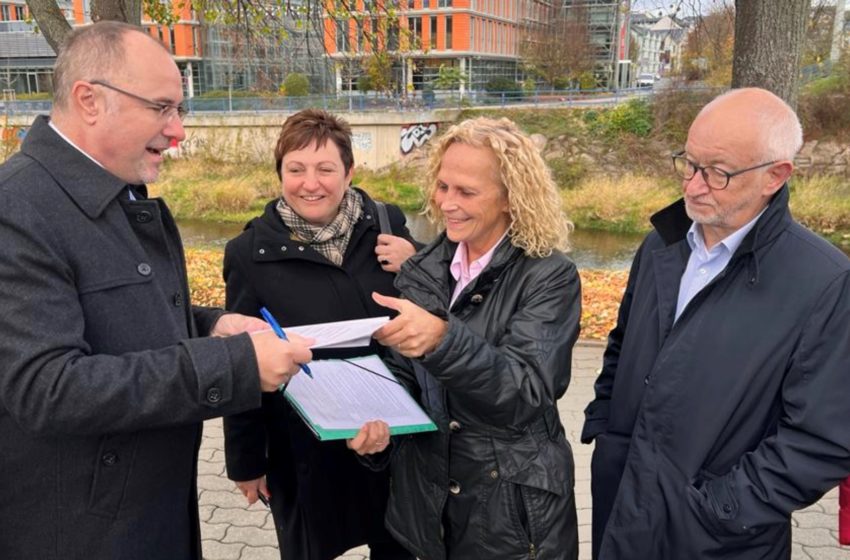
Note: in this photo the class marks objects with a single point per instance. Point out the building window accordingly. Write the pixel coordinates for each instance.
(444, 3)
(472, 34)
(342, 35)
(448, 32)
(392, 36)
(19, 13)
(173, 42)
(414, 25)
(4, 13)
(433, 32)
(373, 34)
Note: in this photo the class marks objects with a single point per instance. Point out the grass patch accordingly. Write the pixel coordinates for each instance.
(395, 185)
(622, 204)
(204, 189)
(822, 203)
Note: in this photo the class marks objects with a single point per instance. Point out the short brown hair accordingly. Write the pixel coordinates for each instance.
(88, 53)
(314, 125)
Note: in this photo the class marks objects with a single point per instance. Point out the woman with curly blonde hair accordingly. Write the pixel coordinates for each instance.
(484, 338)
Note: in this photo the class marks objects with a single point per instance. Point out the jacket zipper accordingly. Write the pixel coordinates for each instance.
(532, 552)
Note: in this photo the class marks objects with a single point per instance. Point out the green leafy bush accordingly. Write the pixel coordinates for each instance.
(296, 84)
(500, 85)
(633, 117)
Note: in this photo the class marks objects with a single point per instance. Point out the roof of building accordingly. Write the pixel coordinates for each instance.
(24, 44)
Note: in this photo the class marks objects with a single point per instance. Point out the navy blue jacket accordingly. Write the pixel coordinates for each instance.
(711, 431)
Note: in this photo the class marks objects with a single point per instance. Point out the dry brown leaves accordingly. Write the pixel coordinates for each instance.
(205, 280)
(601, 290)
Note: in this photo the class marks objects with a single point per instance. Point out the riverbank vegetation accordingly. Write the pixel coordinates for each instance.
(613, 166)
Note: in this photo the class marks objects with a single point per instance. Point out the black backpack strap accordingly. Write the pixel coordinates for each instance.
(383, 218)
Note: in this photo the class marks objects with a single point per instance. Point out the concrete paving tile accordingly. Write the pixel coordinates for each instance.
(213, 531)
(814, 537)
(222, 499)
(809, 519)
(260, 553)
(205, 512)
(205, 467)
(798, 553)
(218, 456)
(253, 536)
(215, 482)
(827, 553)
(214, 550)
(241, 517)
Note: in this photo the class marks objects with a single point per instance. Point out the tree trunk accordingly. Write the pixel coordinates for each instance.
(769, 39)
(128, 11)
(51, 21)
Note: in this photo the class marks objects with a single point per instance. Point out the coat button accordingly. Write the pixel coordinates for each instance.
(283, 248)
(454, 487)
(727, 508)
(214, 395)
(262, 251)
(144, 217)
(454, 426)
(144, 269)
(476, 299)
(109, 458)
(646, 380)
(178, 299)
(300, 247)
(494, 474)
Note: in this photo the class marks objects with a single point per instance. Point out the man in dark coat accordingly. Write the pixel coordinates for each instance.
(722, 403)
(105, 380)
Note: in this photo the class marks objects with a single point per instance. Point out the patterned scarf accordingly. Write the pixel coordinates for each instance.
(330, 240)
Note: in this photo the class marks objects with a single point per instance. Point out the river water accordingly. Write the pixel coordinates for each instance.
(591, 249)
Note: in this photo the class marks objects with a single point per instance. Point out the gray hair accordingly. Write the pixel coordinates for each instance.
(90, 52)
(782, 133)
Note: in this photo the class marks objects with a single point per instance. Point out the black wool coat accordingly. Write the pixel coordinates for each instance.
(323, 500)
(104, 381)
(712, 430)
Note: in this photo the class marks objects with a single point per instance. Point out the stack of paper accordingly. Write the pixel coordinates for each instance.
(341, 334)
(345, 394)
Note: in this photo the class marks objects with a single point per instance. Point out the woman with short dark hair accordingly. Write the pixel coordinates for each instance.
(314, 256)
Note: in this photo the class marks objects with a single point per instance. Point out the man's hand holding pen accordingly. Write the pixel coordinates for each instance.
(278, 360)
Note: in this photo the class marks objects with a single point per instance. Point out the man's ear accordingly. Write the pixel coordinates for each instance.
(777, 175)
(85, 101)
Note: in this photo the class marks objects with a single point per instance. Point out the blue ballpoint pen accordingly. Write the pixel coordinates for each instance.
(280, 334)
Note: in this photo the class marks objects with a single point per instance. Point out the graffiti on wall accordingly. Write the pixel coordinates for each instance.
(415, 135)
(362, 141)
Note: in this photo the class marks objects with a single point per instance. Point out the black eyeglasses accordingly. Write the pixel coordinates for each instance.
(716, 178)
(166, 110)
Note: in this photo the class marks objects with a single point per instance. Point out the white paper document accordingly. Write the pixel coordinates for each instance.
(341, 334)
(345, 394)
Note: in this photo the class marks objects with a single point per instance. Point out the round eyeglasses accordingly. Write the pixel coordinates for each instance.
(716, 178)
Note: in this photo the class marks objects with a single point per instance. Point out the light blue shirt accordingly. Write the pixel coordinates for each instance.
(704, 264)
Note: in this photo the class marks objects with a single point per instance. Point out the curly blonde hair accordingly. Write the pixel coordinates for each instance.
(538, 225)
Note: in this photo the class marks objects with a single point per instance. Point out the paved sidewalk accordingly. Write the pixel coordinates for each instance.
(233, 531)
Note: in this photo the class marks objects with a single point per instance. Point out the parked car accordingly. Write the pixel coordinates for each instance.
(645, 80)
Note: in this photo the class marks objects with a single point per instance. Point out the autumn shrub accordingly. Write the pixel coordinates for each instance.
(621, 203)
(675, 109)
(822, 202)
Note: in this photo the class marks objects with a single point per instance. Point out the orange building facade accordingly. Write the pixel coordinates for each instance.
(481, 38)
(26, 59)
